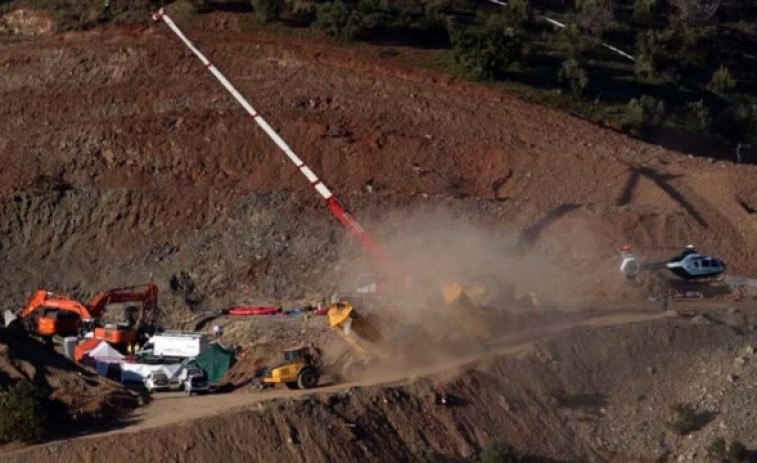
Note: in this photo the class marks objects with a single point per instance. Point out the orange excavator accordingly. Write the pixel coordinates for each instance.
(146, 294)
(48, 314)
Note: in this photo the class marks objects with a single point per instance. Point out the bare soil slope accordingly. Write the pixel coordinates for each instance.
(86, 394)
(123, 160)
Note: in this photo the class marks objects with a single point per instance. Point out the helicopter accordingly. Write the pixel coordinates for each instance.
(690, 264)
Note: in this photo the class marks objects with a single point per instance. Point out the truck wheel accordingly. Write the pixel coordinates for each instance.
(291, 385)
(308, 378)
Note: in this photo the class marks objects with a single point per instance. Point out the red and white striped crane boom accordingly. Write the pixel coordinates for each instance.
(336, 208)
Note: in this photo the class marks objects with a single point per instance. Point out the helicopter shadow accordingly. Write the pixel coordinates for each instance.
(531, 235)
(662, 182)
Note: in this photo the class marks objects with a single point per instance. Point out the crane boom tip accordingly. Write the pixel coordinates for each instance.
(158, 15)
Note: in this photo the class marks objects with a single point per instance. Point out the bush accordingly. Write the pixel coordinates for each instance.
(572, 42)
(267, 10)
(339, 20)
(499, 452)
(737, 453)
(302, 11)
(716, 449)
(520, 12)
(696, 117)
(574, 75)
(643, 113)
(24, 413)
(694, 12)
(644, 68)
(684, 419)
(722, 81)
(738, 121)
(595, 16)
(485, 52)
(643, 10)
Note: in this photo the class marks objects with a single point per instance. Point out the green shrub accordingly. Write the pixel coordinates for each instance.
(684, 419)
(738, 121)
(302, 12)
(721, 82)
(485, 52)
(643, 10)
(520, 12)
(697, 116)
(595, 16)
(643, 113)
(737, 453)
(717, 449)
(575, 76)
(572, 42)
(644, 68)
(24, 413)
(339, 20)
(267, 10)
(499, 452)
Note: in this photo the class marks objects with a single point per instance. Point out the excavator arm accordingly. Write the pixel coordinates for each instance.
(146, 294)
(44, 299)
(49, 314)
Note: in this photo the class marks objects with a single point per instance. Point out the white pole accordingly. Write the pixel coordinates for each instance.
(309, 174)
(334, 205)
(562, 26)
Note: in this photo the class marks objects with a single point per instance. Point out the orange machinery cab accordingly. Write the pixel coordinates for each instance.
(115, 334)
(58, 322)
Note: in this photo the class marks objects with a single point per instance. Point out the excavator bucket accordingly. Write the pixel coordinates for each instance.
(343, 316)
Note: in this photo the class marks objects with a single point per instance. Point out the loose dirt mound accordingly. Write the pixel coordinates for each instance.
(85, 394)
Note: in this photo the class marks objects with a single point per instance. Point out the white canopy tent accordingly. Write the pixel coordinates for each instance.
(105, 353)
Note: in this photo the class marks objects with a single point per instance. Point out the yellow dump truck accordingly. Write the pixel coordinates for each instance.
(404, 338)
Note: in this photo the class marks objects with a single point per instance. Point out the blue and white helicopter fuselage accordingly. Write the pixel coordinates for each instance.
(689, 265)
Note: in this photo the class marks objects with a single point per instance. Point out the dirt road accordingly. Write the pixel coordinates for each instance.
(175, 407)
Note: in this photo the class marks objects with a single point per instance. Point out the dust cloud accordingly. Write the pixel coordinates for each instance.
(525, 284)
(434, 247)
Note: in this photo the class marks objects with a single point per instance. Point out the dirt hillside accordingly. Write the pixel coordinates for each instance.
(125, 161)
(82, 391)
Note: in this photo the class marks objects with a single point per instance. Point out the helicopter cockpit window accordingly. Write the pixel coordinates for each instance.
(706, 263)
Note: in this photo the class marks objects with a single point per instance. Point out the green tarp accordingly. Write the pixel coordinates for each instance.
(215, 361)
